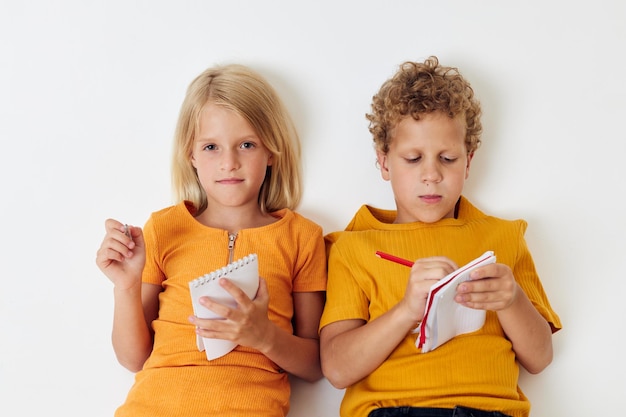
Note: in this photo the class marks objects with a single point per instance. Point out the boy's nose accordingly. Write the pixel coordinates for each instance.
(431, 173)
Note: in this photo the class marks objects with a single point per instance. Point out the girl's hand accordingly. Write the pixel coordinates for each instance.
(424, 273)
(122, 254)
(492, 287)
(247, 324)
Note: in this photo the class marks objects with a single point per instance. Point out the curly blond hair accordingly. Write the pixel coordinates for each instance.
(421, 88)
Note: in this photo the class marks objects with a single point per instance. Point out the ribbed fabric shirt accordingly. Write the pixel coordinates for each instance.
(177, 379)
(476, 370)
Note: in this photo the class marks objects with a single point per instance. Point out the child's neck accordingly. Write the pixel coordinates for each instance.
(233, 219)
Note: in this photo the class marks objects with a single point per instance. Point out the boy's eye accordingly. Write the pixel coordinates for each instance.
(443, 159)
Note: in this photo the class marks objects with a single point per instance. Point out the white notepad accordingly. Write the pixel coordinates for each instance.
(444, 318)
(245, 274)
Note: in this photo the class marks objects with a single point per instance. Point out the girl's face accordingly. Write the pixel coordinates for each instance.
(427, 165)
(229, 158)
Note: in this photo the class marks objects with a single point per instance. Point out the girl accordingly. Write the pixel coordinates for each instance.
(236, 177)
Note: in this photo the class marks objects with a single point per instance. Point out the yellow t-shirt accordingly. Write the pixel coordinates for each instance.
(177, 379)
(476, 370)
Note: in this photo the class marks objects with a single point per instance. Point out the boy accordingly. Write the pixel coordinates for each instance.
(426, 126)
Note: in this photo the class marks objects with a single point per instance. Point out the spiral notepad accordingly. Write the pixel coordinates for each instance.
(245, 274)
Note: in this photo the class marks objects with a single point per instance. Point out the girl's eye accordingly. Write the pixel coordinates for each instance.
(209, 147)
(247, 145)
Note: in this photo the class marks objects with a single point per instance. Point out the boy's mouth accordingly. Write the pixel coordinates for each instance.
(430, 198)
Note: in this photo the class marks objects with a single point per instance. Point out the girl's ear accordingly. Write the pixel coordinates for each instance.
(270, 160)
(381, 160)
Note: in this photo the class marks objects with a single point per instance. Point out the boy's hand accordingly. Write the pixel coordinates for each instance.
(424, 273)
(492, 287)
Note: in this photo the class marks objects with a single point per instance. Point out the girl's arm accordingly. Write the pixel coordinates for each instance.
(249, 325)
(121, 258)
(299, 354)
(132, 336)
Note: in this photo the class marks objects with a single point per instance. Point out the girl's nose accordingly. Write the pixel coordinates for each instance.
(229, 161)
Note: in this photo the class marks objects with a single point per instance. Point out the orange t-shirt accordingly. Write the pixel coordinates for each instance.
(177, 379)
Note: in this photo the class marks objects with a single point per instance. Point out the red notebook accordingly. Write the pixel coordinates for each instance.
(444, 318)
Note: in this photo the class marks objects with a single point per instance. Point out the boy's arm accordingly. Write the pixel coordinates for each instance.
(352, 349)
(493, 287)
(529, 333)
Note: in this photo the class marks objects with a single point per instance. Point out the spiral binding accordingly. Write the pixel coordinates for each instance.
(212, 276)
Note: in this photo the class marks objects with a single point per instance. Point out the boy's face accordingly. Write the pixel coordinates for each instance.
(427, 165)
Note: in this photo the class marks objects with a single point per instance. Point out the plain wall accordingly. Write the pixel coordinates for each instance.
(90, 93)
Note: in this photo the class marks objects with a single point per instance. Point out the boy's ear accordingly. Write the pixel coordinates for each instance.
(469, 160)
(381, 159)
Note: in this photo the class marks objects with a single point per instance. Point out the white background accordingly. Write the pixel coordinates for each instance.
(89, 96)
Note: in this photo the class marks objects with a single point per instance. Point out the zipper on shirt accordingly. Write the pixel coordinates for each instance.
(231, 246)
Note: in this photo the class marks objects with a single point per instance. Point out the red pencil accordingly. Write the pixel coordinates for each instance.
(395, 259)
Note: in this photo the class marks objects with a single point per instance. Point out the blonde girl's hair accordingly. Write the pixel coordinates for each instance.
(246, 92)
(421, 88)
